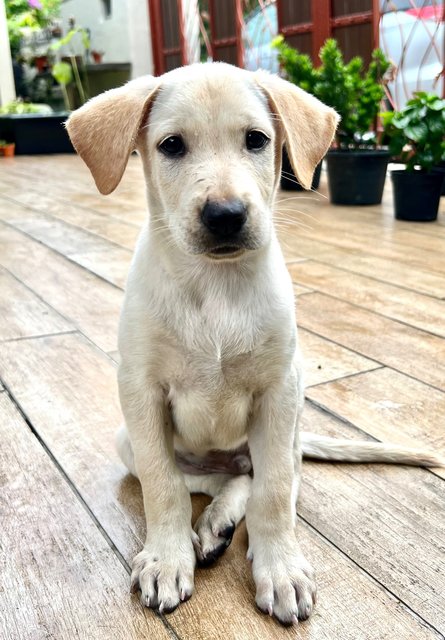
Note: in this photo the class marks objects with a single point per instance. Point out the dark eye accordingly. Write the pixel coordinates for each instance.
(256, 140)
(172, 146)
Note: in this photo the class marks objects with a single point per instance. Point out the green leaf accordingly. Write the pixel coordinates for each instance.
(62, 72)
(416, 132)
(437, 126)
(401, 122)
(437, 105)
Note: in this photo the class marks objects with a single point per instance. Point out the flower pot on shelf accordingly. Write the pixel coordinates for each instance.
(7, 150)
(357, 177)
(289, 182)
(416, 194)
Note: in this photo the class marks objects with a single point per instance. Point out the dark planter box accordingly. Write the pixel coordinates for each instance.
(104, 76)
(289, 181)
(36, 132)
(416, 194)
(357, 177)
(441, 167)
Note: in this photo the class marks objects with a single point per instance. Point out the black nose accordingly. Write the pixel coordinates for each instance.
(224, 218)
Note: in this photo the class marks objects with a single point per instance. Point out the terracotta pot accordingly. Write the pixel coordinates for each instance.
(97, 56)
(41, 63)
(8, 150)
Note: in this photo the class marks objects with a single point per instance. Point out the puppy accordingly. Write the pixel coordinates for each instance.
(210, 380)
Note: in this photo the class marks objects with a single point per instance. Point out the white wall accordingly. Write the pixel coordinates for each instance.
(7, 90)
(123, 37)
(141, 54)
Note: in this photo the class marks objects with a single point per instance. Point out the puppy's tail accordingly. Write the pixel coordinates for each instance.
(324, 448)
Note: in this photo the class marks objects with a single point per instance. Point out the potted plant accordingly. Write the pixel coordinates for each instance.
(357, 166)
(298, 69)
(7, 149)
(416, 138)
(34, 128)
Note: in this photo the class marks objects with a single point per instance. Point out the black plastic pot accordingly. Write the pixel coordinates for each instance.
(288, 180)
(416, 194)
(441, 167)
(357, 177)
(36, 132)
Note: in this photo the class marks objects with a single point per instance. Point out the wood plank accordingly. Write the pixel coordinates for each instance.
(413, 308)
(326, 360)
(350, 234)
(57, 234)
(389, 519)
(111, 263)
(365, 219)
(60, 581)
(23, 314)
(388, 406)
(299, 290)
(84, 409)
(74, 186)
(114, 355)
(93, 252)
(88, 303)
(389, 342)
(363, 263)
(106, 227)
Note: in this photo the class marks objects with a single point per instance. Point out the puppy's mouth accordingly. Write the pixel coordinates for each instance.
(225, 251)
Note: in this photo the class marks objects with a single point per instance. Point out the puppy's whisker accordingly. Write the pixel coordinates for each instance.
(286, 213)
(283, 213)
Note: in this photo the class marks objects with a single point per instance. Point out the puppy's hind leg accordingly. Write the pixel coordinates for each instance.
(217, 523)
(125, 450)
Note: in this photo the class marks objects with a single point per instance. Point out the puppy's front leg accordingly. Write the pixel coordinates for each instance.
(284, 580)
(163, 570)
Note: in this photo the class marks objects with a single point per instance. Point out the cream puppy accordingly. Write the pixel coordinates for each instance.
(208, 342)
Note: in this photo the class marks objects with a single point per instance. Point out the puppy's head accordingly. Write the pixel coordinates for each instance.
(210, 138)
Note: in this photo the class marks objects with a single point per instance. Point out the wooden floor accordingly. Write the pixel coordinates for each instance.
(371, 307)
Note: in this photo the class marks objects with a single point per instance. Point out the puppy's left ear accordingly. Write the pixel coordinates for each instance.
(105, 129)
(308, 125)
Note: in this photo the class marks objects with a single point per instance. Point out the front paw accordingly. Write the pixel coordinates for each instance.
(163, 572)
(215, 530)
(285, 584)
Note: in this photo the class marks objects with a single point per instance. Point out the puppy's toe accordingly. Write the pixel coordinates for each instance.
(285, 582)
(164, 581)
(215, 535)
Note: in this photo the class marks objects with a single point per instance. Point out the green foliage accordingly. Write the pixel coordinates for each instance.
(24, 15)
(355, 93)
(417, 133)
(298, 66)
(70, 35)
(62, 72)
(19, 107)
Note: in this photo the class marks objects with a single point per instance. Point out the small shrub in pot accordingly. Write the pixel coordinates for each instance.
(417, 139)
(357, 167)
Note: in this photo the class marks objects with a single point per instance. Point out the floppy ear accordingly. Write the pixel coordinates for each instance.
(308, 124)
(105, 129)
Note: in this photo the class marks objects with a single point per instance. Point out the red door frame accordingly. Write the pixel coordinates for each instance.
(323, 24)
(157, 36)
(321, 27)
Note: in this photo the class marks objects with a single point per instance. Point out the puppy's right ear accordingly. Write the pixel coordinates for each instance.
(105, 129)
